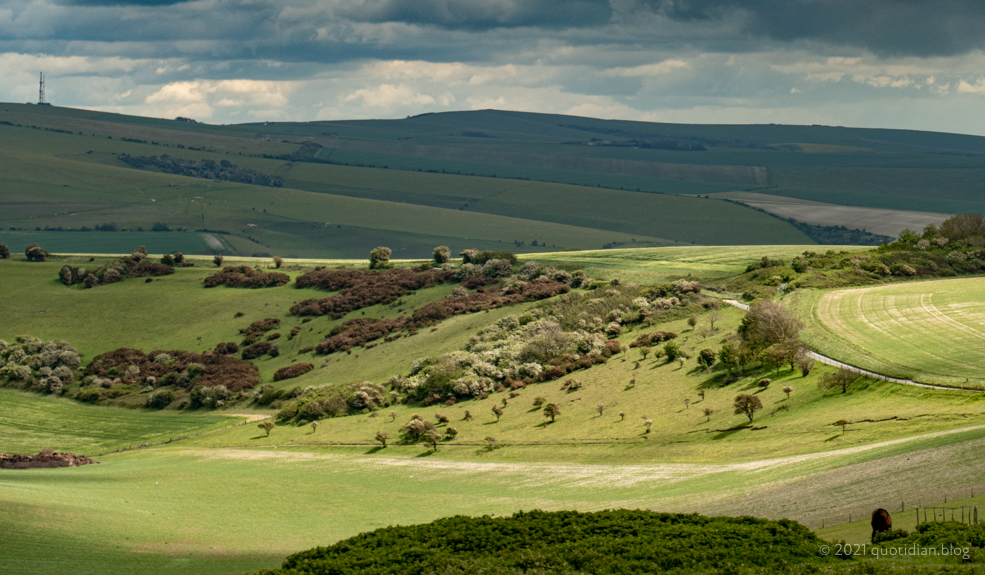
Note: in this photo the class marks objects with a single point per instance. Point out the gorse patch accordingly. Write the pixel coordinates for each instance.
(605, 542)
(246, 277)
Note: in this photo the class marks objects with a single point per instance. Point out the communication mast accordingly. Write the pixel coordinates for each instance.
(41, 100)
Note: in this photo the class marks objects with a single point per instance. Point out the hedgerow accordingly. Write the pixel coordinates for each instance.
(246, 277)
(605, 542)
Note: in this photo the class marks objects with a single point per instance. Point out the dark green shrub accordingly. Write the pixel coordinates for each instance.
(160, 399)
(4, 252)
(891, 535)
(606, 542)
(35, 253)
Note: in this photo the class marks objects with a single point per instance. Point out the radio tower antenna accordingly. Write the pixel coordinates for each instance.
(41, 100)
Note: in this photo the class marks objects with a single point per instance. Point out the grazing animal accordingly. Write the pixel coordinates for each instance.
(881, 521)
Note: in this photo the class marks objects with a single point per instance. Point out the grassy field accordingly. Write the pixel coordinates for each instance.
(30, 422)
(231, 500)
(929, 331)
(655, 265)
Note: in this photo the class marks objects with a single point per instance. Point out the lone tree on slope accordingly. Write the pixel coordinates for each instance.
(747, 405)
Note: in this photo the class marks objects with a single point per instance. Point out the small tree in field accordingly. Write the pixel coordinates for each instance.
(692, 321)
(648, 423)
(393, 416)
(468, 416)
(314, 426)
(539, 401)
(382, 437)
(441, 255)
(441, 418)
(843, 423)
(645, 351)
(672, 350)
(267, 426)
(788, 390)
(4, 252)
(622, 416)
(708, 413)
(552, 410)
(806, 364)
(600, 408)
(842, 379)
(432, 437)
(687, 403)
(379, 258)
(490, 443)
(747, 405)
(217, 260)
(278, 261)
(497, 412)
(714, 316)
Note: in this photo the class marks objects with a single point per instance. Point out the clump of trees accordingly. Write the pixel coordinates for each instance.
(4, 252)
(246, 277)
(132, 266)
(224, 170)
(160, 368)
(38, 365)
(35, 253)
(330, 400)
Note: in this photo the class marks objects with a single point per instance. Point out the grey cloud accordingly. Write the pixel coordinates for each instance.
(481, 14)
(885, 27)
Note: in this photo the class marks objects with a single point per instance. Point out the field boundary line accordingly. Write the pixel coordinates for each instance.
(840, 364)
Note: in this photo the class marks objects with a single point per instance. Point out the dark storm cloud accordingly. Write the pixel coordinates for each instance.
(885, 27)
(481, 14)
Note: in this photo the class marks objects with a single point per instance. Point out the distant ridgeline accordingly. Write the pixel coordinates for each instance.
(223, 170)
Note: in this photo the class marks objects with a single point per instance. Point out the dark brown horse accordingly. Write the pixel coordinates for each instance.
(881, 521)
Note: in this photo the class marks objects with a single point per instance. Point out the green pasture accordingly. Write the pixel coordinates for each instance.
(106, 242)
(188, 509)
(929, 331)
(655, 265)
(31, 422)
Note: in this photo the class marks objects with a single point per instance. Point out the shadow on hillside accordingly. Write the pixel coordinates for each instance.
(728, 432)
(375, 450)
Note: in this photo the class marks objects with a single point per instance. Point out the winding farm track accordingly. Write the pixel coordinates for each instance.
(840, 364)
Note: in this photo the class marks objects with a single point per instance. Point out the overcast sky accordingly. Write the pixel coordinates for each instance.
(881, 63)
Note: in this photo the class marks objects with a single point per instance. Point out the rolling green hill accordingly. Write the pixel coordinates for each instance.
(61, 171)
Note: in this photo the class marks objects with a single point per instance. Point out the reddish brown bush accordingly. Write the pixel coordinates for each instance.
(652, 338)
(474, 302)
(228, 348)
(258, 328)
(233, 373)
(256, 350)
(542, 288)
(478, 281)
(295, 370)
(612, 347)
(356, 332)
(246, 277)
(306, 349)
(360, 288)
